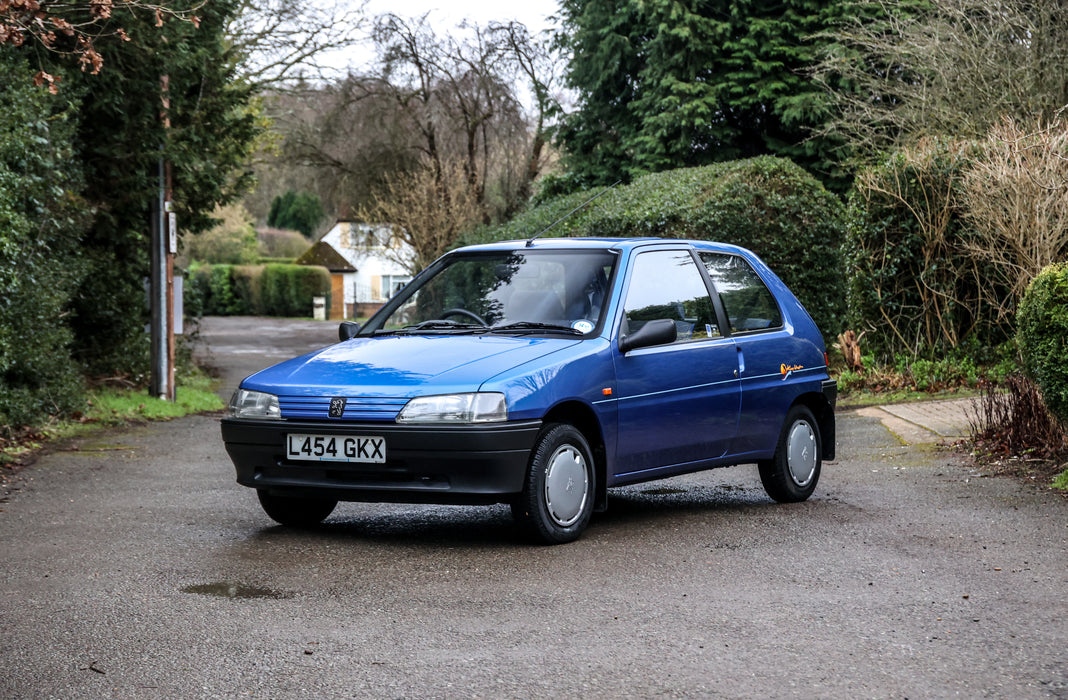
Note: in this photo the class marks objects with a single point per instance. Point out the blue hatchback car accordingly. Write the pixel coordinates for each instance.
(540, 374)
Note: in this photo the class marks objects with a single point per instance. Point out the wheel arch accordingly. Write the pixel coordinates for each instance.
(823, 410)
(583, 418)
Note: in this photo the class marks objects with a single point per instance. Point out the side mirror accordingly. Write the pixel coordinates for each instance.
(347, 329)
(659, 332)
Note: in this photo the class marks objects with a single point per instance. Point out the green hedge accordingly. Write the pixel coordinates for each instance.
(914, 288)
(245, 284)
(766, 204)
(1042, 334)
(42, 219)
(254, 290)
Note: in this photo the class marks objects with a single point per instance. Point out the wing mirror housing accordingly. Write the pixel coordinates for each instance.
(659, 332)
(347, 329)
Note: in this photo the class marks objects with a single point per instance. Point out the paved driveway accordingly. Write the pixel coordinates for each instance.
(134, 567)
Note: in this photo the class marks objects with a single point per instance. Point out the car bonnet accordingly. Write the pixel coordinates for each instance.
(402, 366)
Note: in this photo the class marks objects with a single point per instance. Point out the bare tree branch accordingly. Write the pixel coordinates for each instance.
(898, 73)
(1015, 194)
(280, 41)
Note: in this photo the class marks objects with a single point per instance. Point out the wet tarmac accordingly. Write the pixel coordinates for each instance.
(139, 569)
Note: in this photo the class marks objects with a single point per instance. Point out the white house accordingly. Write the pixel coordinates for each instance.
(367, 266)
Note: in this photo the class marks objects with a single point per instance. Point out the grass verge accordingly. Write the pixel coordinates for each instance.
(108, 407)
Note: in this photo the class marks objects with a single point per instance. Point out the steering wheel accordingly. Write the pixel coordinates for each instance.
(462, 312)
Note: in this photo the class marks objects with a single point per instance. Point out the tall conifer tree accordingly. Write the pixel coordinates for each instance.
(670, 83)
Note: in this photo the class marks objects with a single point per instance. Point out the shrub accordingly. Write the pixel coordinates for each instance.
(1015, 196)
(280, 244)
(239, 290)
(245, 282)
(945, 235)
(1012, 421)
(1042, 334)
(211, 290)
(231, 241)
(787, 217)
(220, 286)
(299, 211)
(288, 289)
(42, 220)
(914, 287)
(939, 375)
(766, 204)
(196, 294)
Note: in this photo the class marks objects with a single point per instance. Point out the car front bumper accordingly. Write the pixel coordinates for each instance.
(468, 464)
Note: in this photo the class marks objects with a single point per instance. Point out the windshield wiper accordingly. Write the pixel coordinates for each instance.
(533, 327)
(438, 324)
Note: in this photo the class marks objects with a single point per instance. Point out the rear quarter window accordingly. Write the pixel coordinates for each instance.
(749, 304)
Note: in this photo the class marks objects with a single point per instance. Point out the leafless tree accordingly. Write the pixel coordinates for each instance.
(1015, 194)
(461, 94)
(944, 68)
(426, 210)
(280, 43)
(337, 140)
(434, 102)
(536, 63)
(449, 90)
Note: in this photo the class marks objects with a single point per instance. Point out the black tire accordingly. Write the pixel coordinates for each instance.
(792, 474)
(557, 498)
(296, 511)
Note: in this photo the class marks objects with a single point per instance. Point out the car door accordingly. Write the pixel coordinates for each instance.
(766, 350)
(678, 402)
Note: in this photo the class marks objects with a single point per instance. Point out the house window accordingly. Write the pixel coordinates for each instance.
(391, 284)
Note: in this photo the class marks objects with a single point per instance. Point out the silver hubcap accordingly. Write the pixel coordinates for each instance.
(566, 486)
(801, 452)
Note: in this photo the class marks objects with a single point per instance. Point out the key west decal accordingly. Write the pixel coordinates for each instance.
(787, 370)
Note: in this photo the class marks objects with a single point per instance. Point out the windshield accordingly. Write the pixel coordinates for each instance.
(521, 290)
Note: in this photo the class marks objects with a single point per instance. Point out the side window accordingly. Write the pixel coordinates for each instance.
(749, 304)
(668, 284)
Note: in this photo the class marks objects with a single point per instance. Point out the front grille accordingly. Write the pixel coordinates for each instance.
(358, 408)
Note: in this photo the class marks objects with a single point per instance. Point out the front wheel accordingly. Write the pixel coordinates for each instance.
(296, 511)
(557, 498)
(791, 475)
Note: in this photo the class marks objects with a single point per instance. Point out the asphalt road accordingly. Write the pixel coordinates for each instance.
(132, 566)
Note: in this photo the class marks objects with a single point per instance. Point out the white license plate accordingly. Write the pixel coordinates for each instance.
(368, 449)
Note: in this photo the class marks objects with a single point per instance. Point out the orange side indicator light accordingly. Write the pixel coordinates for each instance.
(607, 391)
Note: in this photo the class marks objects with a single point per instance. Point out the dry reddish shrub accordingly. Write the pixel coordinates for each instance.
(1012, 421)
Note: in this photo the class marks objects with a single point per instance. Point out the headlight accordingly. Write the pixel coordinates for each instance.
(254, 404)
(455, 408)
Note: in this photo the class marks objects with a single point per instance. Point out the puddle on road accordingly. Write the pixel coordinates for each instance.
(229, 589)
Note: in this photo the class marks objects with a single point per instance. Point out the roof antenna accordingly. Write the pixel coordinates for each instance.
(537, 235)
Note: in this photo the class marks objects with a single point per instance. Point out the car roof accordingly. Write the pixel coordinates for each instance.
(592, 243)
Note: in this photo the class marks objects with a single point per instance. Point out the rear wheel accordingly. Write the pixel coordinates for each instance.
(296, 511)
(791, 475)
(557, 499)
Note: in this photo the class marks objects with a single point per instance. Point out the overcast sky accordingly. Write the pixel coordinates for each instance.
(532, 13)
